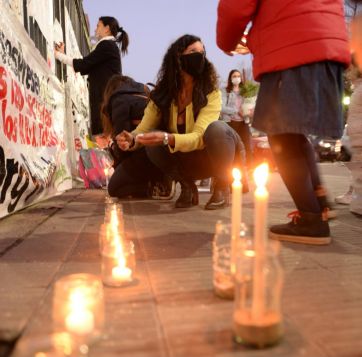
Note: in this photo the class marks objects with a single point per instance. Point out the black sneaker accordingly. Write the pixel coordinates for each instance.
(219, 199)
(163, 190)
(305, 228)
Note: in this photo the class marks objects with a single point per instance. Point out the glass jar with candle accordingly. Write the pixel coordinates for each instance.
(118, 264)
(257, 317)
(222, 256)
(78, 308)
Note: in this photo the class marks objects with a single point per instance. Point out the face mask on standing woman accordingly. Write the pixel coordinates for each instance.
(236, 81)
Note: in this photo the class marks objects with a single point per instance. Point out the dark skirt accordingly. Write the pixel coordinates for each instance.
(302, 100)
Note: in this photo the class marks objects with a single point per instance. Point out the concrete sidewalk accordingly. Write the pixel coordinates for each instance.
(172, 310)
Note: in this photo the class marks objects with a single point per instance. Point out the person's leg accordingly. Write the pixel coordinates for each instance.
(244, 132)
(294, 168)
(292, 162)
(319, 189)
(225, 150)
(173, 166)
(131, 176)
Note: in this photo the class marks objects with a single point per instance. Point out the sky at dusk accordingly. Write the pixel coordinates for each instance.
(153, 25)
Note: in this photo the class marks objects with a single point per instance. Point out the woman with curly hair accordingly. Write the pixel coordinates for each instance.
(180, 126)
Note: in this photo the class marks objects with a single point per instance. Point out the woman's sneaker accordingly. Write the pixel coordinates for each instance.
(346, 198)
(304, 228)
(163, 190)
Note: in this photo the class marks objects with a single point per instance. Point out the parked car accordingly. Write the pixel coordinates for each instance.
(328, 149)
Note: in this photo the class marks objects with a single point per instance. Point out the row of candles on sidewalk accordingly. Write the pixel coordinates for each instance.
(245, 266)
(78, 301)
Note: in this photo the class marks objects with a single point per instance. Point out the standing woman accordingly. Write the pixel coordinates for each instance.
(100, 65)
(232, 113)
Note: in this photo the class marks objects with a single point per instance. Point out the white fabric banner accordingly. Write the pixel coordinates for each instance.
(33, 154)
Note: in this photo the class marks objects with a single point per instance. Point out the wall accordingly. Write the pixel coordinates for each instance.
(36, 125)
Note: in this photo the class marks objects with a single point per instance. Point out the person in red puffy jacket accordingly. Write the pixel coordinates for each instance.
(300, 49)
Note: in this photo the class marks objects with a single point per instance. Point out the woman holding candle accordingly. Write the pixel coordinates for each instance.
(299, 51)
(180, 127)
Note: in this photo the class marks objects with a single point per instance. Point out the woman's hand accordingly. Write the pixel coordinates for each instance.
(154, 138)
(59, 47)
(125, 140)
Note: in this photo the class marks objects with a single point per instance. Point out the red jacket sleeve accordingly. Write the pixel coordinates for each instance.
(233, 17)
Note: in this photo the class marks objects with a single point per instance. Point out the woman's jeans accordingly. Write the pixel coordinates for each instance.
(243, 130)
(223, 150)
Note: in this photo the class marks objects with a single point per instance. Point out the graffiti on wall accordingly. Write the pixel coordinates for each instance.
(33, 156)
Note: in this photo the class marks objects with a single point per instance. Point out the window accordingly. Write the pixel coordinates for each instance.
(33, 29)
(59, 14)
(79, 23)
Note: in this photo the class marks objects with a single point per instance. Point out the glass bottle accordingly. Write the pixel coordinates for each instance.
(223, 256)
(257, 317)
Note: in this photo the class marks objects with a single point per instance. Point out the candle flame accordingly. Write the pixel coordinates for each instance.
(106, 171)
(236, 174)
(261, 175)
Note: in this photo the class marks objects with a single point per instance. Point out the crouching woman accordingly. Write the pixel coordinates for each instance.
(180, 127)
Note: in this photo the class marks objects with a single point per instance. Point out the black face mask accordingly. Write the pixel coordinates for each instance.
(193, 63)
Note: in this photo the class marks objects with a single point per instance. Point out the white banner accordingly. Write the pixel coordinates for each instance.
(33, 155)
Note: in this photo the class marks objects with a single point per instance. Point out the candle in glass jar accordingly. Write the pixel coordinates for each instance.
(80, 321)
(121, 272)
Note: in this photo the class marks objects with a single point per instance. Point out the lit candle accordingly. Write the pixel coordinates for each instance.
(235, 214)
(121, 272)
(106, 174)
(80, 322)
(261, 197)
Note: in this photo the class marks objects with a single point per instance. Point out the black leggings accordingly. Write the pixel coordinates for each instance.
(295, 159)
(132, 176)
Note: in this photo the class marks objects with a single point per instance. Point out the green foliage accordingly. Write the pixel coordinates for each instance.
(249, 89)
